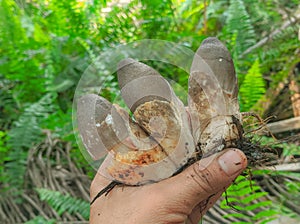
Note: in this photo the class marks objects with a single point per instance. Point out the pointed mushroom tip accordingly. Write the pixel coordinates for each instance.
(130, 70)
(211, 41)
(126, 62)
(212, 47)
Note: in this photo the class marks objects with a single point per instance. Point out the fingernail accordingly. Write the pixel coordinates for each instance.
(231, 162)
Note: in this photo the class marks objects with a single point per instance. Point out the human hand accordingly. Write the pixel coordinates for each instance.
(183, 198)
(162, 140)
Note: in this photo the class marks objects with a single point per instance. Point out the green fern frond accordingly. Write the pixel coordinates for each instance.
(280, 55)
(279, 46)
(64, 203)
(24, 133)
(286, 189)
(252, 88)
(249, 199)
(26, 129)
(7, 104)
(41, 220)
(238, 23)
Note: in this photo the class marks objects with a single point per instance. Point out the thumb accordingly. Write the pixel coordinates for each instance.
(205, 178)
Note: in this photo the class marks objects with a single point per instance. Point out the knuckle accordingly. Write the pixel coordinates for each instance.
(205, 179)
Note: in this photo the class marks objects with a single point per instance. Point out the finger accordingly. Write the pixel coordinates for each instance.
(98, 184)
(200, 210)
(204, 179)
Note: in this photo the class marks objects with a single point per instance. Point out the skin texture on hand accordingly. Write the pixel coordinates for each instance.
(184, 198)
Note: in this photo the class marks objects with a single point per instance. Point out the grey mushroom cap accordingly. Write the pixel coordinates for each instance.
(218, 58)
(139, 83)
(212, 48)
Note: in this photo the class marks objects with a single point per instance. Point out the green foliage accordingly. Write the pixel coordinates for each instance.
(24, 132)
(3, 153)
(22, 51)
(288, 193)
(253, 87)
(246, 197)
(239, 34)
(290, 184)
(238, 24)
(7, 104)
(280, 56)
(28, 123)
(292, 189)
(64, 203)
(289, 149)
(41, 220)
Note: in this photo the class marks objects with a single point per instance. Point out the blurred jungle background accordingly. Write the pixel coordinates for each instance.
(46, 45)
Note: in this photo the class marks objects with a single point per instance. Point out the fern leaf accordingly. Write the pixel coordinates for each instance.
(41, 220)
(26, 129)
(248, 198)
(24, 132)
(238, 23)
(64, 203)
(253, 87)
